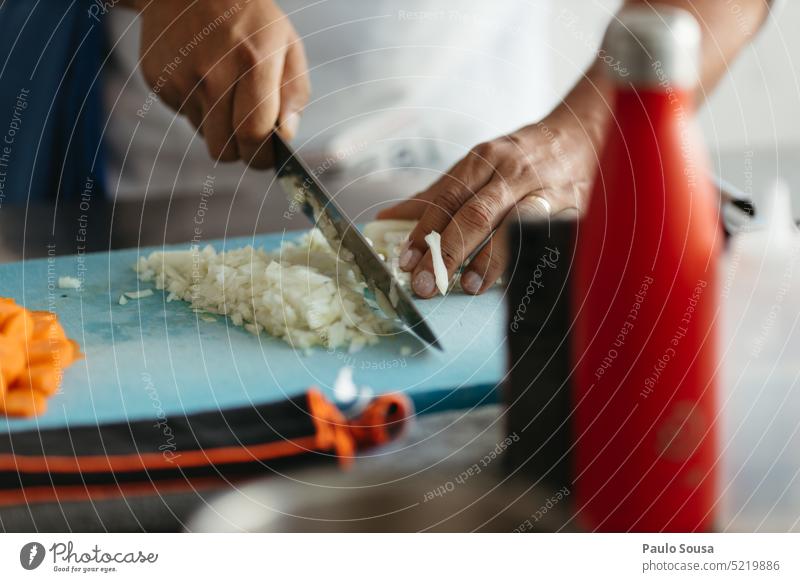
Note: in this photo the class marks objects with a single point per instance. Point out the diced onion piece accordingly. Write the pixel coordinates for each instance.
(139, 294)
(385, 305)
(69, 283)
(394, 296)
(434, 241)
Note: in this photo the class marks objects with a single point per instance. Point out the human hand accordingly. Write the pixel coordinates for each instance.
(235, 69)
(539, 170)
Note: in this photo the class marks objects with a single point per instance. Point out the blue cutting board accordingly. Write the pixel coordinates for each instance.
(153, 359)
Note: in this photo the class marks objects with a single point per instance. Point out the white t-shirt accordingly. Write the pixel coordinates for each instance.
(391, 87)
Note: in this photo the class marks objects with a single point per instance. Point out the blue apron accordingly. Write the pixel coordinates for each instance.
(51, 108)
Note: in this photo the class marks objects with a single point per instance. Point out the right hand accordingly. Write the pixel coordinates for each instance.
(235, 69)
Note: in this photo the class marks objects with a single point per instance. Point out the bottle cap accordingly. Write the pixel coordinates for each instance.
(653, 46)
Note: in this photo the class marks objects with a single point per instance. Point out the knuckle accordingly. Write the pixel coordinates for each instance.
(451, 253)
(490, 262)
(211, 84)
(499, 198)
(485, 150)
(248, 135)
(478, 216)
(248, 54)
(524, 170)
(516, 168)
(495, 260)
(514, 141)
(450, 200)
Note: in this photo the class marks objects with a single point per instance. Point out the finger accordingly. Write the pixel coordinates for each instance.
(410, 209)
(488, 265)
(256, 103)
(450, 194)
(486, 268)
(217, 101)
(295, 89)
(470, 227)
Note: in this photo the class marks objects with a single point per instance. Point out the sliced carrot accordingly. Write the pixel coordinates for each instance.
(59, 353)
(41, 379)
(22, 402)
(18, 325)
(12, 360)
(34, 350)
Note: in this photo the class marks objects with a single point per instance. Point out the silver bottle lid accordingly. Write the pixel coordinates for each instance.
(653, 45)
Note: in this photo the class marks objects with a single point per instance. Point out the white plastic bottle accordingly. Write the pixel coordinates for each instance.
(760, 392)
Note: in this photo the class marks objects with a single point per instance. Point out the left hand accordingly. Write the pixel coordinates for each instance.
(539, 170)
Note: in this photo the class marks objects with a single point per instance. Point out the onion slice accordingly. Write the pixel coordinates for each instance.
(434, 241)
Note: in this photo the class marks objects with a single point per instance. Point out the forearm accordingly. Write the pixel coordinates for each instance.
(728, 25)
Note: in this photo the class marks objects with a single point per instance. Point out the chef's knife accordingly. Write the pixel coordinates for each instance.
(304, 188)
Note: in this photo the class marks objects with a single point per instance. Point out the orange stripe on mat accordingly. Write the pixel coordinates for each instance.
(154, 461)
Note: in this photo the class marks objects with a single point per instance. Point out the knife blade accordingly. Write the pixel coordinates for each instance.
(304, 188)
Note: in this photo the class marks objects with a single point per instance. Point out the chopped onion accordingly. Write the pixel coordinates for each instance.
(302, 293)
(434, 241)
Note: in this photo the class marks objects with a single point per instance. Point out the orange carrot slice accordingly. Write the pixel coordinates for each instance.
(34, 350)
(7, 309)
(12, 360)
(18, 325)
(46, 326)
(41, 379)
(22, 402)
(60, 353)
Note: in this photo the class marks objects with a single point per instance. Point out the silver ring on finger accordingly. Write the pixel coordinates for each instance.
(543, 203)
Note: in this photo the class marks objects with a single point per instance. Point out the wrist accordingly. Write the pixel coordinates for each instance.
(588, 106)
(565, 144)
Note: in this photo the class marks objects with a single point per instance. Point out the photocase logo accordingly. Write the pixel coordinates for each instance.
(31, 555)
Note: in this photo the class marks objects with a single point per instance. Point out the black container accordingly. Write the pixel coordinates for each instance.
(537, 391)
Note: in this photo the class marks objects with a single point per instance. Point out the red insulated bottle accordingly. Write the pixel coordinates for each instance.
(645, 294)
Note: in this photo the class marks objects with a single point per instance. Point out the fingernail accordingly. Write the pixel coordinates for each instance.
(291, 123)
(409, 259)
(471, 282)
(424, 284)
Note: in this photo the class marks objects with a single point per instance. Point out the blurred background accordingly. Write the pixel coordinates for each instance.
(750, 122)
